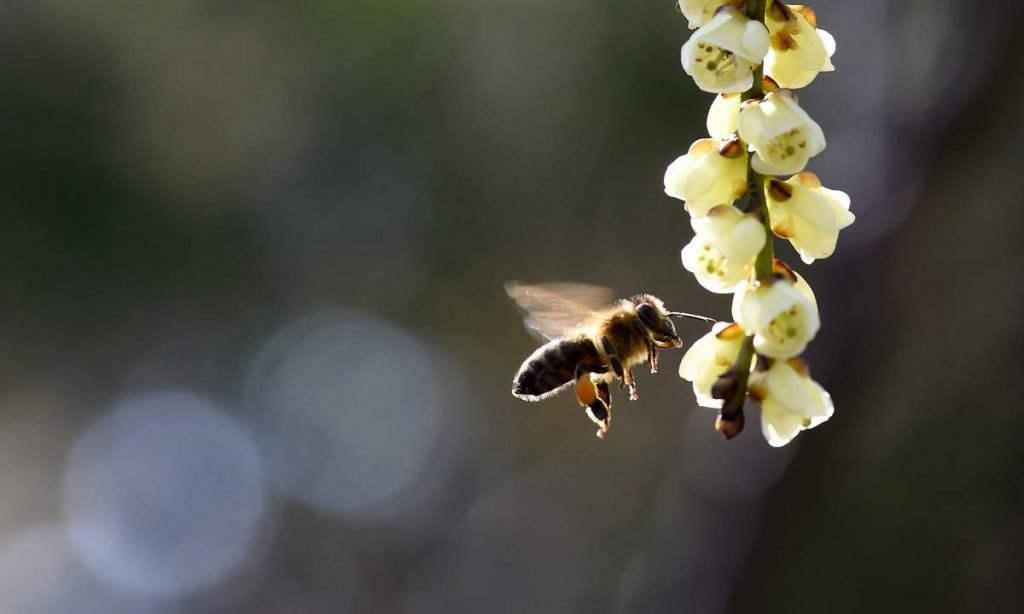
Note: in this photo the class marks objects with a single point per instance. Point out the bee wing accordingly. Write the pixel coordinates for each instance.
(557, 308)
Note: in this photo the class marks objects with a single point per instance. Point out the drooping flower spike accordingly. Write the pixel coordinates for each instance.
(744, 186)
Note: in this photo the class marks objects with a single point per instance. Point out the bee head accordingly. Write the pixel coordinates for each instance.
(656, 320)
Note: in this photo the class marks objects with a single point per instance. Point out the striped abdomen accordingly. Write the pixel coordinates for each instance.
(553, 366)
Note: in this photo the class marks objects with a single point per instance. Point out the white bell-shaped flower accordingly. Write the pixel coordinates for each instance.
(782, 316)
(722, 252)
(711, 173)
(782, 136)
(807, 214)
(799, 49)
(790, 401)
(709, 358)
(699, 12)
(723, 115)
(722, 55)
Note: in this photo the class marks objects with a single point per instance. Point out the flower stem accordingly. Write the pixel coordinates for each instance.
(730, 421)
(758, 202)
(755, 11)
(730, 417)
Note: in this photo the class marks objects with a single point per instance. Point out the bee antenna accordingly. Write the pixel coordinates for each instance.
(680, 314)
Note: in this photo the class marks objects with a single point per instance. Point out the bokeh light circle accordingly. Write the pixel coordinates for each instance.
(40, 574)
(350, 410)
(163, 495)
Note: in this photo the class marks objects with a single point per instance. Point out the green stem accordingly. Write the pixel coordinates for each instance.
(732, 407)
(756, 12)
(756, 201)
(756, 9)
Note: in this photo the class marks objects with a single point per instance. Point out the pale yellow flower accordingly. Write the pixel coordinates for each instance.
(699, 12)
(723, 115)
(807, 214)
(710, 357)
(782, 135)
(799, 49)
(711, 173)
(721, 254)
(781, 315)
(790, 401)
(722, 55)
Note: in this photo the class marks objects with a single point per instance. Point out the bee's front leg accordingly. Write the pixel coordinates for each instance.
(652, 355)
(590, 397)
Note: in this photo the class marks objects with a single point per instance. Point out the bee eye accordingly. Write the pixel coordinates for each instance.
(648, 315)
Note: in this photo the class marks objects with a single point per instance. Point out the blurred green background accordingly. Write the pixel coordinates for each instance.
(256, 350)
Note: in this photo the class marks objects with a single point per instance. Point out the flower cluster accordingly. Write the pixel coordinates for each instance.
(744, 186)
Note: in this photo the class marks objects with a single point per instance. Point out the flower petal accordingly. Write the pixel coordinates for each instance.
(722, 115)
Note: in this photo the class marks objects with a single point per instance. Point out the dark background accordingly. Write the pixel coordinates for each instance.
(256, 352)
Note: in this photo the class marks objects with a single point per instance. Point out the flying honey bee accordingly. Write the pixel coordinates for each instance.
(591, 340)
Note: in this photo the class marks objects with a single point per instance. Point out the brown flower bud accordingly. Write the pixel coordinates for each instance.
(725, 386)
(730, 426)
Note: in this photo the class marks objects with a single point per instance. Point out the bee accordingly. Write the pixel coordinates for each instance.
(591, 340)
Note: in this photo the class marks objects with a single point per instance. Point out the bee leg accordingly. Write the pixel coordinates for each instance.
(631, 383)
(652, 356)
(616, 365)
(588, 396)
(619, 371)
(613, 356)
